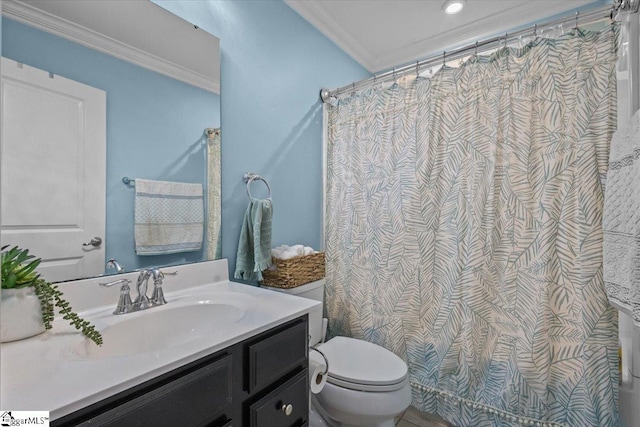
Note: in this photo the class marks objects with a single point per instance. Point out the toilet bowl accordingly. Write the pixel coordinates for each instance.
(367, 385)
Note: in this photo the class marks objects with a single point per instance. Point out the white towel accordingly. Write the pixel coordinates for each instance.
(297, 249)
(287, 252)
(283, 253)
(169, 217)
(621, 220)
(288, 255)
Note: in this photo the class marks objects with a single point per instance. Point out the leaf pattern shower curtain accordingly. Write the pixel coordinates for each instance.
(464, 233)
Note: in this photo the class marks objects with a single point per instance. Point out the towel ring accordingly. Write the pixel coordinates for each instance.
(249, 178)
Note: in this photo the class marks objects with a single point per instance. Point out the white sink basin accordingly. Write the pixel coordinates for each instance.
(164, 327)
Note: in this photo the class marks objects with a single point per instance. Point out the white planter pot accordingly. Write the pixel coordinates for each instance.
(20, 314)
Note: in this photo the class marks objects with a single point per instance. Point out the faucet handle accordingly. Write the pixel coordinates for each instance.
(124, 301)
(123, 282)
(159, 274)
(157, 298)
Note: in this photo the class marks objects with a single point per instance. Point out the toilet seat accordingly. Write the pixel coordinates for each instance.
(364, 366)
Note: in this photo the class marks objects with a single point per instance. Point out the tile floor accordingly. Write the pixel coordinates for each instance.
(414, 418)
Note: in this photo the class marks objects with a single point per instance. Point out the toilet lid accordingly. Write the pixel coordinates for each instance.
(361, 362)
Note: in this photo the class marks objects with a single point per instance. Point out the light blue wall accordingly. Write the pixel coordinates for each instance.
(155, 126)
(274, 64)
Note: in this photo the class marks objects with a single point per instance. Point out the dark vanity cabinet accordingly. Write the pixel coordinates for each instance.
(259, 382)
(276, 383)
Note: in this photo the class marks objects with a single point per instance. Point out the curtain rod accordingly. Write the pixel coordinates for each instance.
(586, 17)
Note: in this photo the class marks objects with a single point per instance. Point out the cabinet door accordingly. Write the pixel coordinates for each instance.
(286, 406)
(274, 356)
(198, 398)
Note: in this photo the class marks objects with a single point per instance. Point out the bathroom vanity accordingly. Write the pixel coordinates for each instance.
(243, 362)
(260, 382)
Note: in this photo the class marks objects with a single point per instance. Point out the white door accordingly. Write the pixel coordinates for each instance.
(53, 170)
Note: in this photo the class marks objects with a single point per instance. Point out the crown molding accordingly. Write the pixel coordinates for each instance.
(314, 14)
(477, 30)
(518, 15)
(92, 39)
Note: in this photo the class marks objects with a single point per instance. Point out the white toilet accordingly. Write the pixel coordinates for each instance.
(367, 385)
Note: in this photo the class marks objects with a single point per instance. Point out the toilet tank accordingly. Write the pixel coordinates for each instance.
(314, 291)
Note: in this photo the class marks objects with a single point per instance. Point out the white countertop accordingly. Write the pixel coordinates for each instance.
(47, 373)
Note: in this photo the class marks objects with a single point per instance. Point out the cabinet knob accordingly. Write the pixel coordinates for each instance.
(287, 409)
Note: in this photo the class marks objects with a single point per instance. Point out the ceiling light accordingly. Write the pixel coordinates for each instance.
(452, 7)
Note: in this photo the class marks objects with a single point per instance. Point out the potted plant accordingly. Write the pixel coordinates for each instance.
(29, 302)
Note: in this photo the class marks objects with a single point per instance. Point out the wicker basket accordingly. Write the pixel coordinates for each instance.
(293, 272)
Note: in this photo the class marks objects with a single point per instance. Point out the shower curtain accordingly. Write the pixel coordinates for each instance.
(464, 232)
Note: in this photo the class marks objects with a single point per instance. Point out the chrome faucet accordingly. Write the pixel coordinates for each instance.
(142, 301)
(113, 263)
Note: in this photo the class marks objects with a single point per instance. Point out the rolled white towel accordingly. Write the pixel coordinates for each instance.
(287, 252)
(299, 249)
(280, 251)
(288, 255)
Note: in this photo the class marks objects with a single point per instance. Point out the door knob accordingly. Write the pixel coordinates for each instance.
(95, 242)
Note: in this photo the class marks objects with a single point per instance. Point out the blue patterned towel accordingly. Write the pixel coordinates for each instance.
(169, 217)
(254, 246)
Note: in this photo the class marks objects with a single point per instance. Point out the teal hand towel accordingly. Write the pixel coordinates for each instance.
(254, 246)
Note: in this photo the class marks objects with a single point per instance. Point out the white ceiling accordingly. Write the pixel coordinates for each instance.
(381, 34)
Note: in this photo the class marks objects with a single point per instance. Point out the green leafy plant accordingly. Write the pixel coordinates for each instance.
(19, 271)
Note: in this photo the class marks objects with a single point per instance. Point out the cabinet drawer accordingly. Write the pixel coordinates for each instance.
(268, 411)
(195, 399)
(276, 355)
